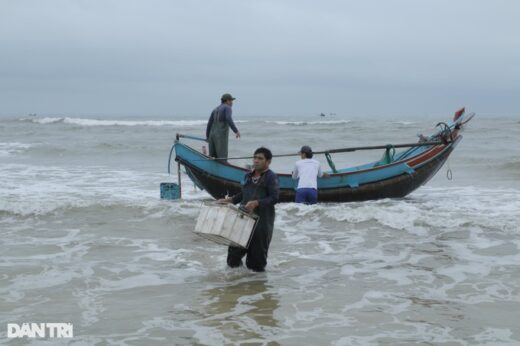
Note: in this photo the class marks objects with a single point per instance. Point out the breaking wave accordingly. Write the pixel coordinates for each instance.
(10, 148)
(305, 123)
(513, 165)
(97, 122)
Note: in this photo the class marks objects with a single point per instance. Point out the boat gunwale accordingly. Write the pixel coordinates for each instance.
(405, 161)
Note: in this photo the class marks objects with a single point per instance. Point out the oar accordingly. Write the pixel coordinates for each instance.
(347, 150)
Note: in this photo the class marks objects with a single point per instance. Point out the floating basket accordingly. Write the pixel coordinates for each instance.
(170, 191)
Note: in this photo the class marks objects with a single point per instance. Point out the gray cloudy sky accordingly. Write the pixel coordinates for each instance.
(283, 57)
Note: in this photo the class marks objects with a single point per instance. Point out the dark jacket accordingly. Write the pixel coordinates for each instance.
(222, 113)
(266, 190)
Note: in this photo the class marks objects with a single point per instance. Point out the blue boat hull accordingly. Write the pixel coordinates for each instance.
(395, 186)
(409, 170)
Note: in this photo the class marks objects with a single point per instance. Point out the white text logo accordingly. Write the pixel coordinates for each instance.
(40, 330)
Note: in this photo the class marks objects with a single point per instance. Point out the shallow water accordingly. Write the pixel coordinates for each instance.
(85, 239)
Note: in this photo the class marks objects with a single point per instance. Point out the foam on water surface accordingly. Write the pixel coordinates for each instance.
(85, 239)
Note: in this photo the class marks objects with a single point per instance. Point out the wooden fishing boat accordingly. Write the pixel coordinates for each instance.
(398, 174)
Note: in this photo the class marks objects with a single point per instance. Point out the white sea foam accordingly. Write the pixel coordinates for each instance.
(305, 123)
(98, 122)
(375, 272)
(60, 188)
(490, 336)
(404, 123)
(10, 148)
(427, 207)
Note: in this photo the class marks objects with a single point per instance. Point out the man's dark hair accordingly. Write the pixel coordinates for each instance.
(308, 155)
(267, 153)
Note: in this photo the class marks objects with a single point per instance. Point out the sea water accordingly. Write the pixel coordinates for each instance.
(85, 239)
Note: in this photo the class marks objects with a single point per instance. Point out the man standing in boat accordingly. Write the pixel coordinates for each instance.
(307, 170)
(259, 194)
(217, 130)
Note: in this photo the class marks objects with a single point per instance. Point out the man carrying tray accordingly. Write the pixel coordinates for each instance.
(259, 194)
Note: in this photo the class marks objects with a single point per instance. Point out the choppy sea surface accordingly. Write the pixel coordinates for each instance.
(85, 239)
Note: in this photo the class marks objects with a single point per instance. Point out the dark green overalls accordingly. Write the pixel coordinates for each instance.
(218, 138)
(257, 252)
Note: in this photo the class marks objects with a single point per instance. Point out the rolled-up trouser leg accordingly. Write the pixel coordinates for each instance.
(235, 255)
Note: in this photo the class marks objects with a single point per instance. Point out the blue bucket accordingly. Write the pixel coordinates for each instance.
(170, 191)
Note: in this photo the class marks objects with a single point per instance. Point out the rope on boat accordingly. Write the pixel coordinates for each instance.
(345, 150)
(449, 173)
(387, 156)
(170, 158)
(445, 132)
(331, 163)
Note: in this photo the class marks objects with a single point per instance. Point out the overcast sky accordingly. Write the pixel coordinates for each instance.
(283, 57)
